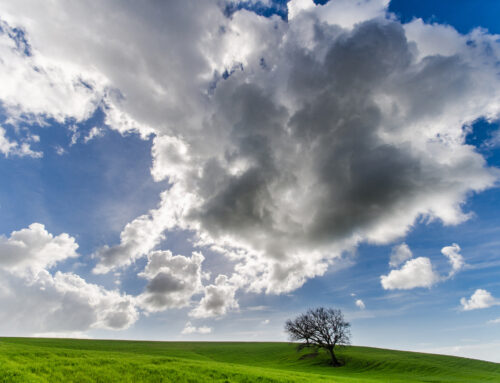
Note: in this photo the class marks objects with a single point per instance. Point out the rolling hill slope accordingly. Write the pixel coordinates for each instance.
(71, 360)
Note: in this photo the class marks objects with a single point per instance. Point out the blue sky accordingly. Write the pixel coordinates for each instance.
(127, 139)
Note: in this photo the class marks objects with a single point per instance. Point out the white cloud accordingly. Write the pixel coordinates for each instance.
(63, 302)
(494, 321)
(75, 134)
(416, 272)
(59, 150)
(34, 84)
(8, 147)
(93, 133)
(35, 301)
(218, 299)
(265, 321)
(190, 329)
(481, 299)
(345, 13)
(419, 272)
(34, 249)
(360, 304)
(456, 259)
(144, 233)
(434, 39)
(400, 254)
(171, 159)
(172, 280)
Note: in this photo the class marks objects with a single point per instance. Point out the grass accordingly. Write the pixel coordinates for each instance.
(72, 360)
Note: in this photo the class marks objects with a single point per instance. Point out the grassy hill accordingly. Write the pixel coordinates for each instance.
(71, 360)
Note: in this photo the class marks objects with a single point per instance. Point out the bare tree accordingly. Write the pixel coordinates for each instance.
(320, 328)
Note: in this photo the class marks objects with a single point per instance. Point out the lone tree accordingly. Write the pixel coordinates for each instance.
(320, 328)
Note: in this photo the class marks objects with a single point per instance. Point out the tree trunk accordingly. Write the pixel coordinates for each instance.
(335, 361)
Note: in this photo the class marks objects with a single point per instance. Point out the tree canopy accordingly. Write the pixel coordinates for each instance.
(318, 328)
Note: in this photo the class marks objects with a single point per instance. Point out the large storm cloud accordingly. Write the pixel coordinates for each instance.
(285, 143)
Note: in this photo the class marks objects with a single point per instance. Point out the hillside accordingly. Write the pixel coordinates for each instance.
(71, 360)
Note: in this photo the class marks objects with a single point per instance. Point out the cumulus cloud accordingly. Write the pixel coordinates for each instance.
(400, 254)
(416, 272)
(63, 302)
(344, 13)
(36, 301)
(360, 304)
(481, 299)
(137, 239)
(190, 329)
(419, 272)
(13, 148)
(172, 280)
(34, 84)
(285, 144)
(34, 249)
(218, 299)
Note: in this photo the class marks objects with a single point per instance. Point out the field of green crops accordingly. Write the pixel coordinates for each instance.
(70, 360)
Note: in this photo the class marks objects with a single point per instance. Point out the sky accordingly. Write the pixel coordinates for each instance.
(191, 170)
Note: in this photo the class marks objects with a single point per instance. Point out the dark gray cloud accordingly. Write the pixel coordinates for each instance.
(164, 283)
(172, 280)
(355, 177)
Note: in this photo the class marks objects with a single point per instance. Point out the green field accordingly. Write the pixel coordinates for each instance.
(71, 360)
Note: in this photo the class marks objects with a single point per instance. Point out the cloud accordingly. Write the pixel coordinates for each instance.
(284, 144)
(137, 239)
(456, 260)
(190, 329)
(344, 13)
(6, 146)
(63, 302)
(75, 134)
(59, 150)
(400, 253)
(419, 272)
(481, 299)
(172, 280)
(34, 249)
(416, 272)
(93, 133)
(360, 304)
(218, 299)
(304, 187)
(145, 232)
(494, 321)
(36, 301)
(34, 84)
(13, 148)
